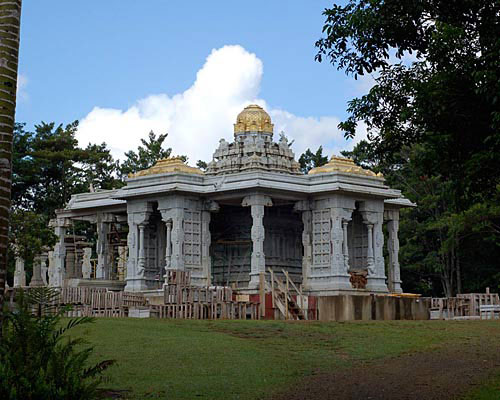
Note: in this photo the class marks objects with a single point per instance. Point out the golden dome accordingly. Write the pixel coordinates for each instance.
(253, 118)
(346, 165)
(171, 164)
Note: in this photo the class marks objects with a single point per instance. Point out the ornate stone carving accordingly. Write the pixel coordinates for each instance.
(253, 148)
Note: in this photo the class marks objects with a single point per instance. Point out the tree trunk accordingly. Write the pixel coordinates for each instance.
(10, 22)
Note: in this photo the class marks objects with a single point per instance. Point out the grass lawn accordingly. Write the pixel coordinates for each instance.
(182, 359)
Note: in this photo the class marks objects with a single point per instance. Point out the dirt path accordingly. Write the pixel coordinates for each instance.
(436, 375)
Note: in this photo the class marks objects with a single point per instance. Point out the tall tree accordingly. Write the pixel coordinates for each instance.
(309, 160)
(10, 26)
(433, 121)
(146, 156)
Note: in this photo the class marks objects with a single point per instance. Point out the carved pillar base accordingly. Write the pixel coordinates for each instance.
(36, 280)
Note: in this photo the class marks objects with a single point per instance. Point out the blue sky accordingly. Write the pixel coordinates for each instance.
(95, 60)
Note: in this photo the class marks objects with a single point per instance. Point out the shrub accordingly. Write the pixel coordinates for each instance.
(37, 360)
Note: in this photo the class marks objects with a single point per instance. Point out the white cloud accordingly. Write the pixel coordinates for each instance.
(197, 118)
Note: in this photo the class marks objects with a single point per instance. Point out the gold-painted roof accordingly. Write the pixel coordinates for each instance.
(171, 164)
(253, 118)
(346, 165)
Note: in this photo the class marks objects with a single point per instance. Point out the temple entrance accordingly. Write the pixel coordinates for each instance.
(231, 246)
(283, 242)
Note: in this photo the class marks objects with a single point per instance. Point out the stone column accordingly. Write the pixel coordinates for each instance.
(394, 278)
(340, 276)
(375, 257)
(36, 279)
(138, 215)
(102, 248)
(305, 208)
(345, 248)
(206, 238)
(122, 262)
(257, 202)
(86, 264)
(168, 247)
(370, 260)
(19, 273)
(44, 268)
(60, 226)
(177, 258)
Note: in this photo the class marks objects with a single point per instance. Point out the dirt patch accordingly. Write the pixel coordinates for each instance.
(443, 374)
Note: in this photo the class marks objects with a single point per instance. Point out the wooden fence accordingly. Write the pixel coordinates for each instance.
(462, 306)
(94, 302)
(181, 300)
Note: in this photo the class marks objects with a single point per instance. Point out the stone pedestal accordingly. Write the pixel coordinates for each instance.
(36, 279)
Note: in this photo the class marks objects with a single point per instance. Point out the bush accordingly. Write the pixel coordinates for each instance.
(37, 360)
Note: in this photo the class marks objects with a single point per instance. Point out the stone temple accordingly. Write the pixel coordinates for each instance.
(251, 210)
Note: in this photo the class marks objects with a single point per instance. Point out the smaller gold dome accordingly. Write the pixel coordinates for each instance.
(345, 165)
(253, 118)
(171, 164)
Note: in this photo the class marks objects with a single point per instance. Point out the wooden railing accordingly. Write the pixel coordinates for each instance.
(290, 305)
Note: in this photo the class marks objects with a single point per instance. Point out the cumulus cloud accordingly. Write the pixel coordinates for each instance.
(197, 118)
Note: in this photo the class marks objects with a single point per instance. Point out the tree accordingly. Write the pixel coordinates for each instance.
(309, 160)
(10, 25)
(146, 156)
(202, 165)
(433, 123)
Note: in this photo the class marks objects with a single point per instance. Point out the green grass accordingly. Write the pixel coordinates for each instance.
(182, 359)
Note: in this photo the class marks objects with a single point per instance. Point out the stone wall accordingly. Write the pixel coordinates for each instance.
(372, 307)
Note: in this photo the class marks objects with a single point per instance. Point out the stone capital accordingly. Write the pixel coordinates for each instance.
(211, 205)
(302, 205)
(257, 200)
(391, 215)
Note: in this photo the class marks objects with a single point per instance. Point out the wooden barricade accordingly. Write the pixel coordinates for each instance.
(192, 302)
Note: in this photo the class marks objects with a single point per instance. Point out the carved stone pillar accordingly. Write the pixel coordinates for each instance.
(138, 215)
(375, 257)
(19, 273)
(340, 276)
(60, 226)
(44, 268)
(36, 279)
(257, 202)
(177, 259)
(86, 264)
(168, 246)
(304, 207)
(103, 262)
(122, 262)
(370, 260)
(206, 238)
(345, 248)
(394, 275)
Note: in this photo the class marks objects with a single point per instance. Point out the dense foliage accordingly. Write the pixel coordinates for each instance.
(38, 359)
(309, 160)
(49, 166)
(433, 118)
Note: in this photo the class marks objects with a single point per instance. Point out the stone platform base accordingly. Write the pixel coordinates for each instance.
(372, 307)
